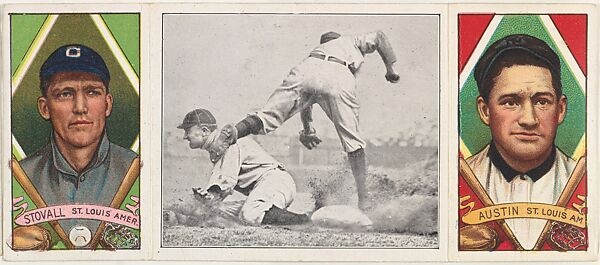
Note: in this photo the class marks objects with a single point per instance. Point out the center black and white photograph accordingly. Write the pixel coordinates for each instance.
(300, 130)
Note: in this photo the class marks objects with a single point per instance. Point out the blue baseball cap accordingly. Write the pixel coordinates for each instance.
(75, 58)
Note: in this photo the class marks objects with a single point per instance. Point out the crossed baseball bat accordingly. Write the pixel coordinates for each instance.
(574, 180)
(130, 177)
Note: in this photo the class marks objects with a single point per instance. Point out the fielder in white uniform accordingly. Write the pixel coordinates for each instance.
(326, 77)
(521, 100)
(245, 167)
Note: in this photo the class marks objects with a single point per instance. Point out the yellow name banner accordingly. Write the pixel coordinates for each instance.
(525, 210)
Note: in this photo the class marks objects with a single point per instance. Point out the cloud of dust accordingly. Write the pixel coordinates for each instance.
(402, 200)
(412, 214)
(188, 211)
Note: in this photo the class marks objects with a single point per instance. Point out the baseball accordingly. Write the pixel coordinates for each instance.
(80, 236)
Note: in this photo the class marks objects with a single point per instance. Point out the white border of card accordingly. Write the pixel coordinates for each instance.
(592, 145)
(145, 208)
(151, 119)
(296, 253)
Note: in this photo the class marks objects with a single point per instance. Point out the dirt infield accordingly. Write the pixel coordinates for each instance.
(404, 211)
(291, 236)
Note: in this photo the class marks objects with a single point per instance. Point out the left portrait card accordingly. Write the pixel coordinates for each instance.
(74, 111)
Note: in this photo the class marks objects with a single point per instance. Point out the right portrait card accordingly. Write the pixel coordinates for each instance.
(523, 110)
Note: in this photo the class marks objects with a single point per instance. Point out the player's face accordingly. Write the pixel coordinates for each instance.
(77, 105)
(196, 136)
(523, 113)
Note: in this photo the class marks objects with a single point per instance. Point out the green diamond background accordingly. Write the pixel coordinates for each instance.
(476, 135)
(30, 130)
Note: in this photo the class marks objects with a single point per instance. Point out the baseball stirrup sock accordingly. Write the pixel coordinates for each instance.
(249, 125)
(358, 164)
(277, 216)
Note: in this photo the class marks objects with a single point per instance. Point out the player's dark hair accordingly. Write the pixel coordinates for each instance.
(44, 84)
(511, 58)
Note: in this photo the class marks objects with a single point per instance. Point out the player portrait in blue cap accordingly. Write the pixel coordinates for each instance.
(77, 173)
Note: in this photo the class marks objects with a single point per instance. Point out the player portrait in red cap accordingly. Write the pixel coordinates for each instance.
(522, 171)
(75, 132)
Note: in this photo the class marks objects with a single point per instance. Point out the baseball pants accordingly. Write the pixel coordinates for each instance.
(329, 84)
(275, 187)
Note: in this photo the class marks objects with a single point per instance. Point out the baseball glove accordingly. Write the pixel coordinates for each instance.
(120, 237)
(31, 238)
(477, 237)
(565, 237)
(309, 139)
(227, 137)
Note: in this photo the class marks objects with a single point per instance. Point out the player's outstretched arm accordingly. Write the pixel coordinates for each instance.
(308, 135)
(378, 41)
(306, 118)
(385, 50)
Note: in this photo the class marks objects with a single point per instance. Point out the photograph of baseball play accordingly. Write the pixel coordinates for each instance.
(300, 130)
